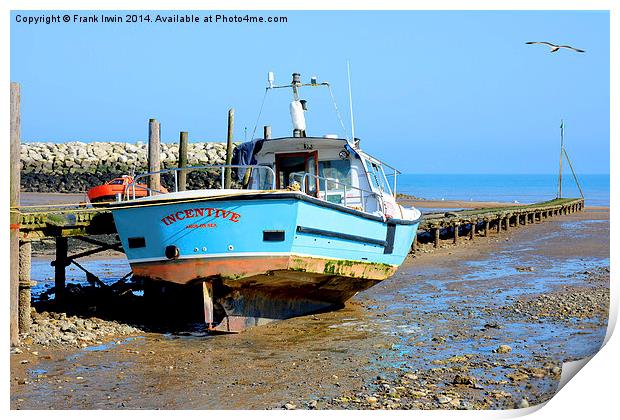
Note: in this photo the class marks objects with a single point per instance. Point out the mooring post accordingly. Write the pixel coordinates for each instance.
(25, 252)
(436, 237)
(229, 147)
(472, 231)
(507, 223)
(14, 154)
(154, 155)
(62, 248)
(486, 227)
(456, 233)
(499, 224)
(182, 160)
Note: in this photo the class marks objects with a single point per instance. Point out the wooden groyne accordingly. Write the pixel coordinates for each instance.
(467, 224)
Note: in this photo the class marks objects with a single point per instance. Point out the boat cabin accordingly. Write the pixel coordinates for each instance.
(327, 168)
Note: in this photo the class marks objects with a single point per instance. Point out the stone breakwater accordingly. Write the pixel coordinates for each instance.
(77, 166)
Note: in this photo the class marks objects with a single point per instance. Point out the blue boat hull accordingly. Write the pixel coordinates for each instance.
(262, 257)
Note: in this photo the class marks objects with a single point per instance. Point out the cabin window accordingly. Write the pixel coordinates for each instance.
(377, 176)
(337, 169)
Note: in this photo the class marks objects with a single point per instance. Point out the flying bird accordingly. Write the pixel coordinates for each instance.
(554, 47)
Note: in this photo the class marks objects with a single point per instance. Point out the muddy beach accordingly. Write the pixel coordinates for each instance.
(481, 325)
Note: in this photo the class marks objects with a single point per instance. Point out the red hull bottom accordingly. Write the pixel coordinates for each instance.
(265, 289)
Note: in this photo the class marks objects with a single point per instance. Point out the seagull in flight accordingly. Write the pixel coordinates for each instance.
(554, 47)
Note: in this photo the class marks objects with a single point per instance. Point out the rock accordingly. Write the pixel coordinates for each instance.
(503, 349)
(371, 400)
(464, 380)
(312, 404)
(289, 406)
(442, 399)
(523, 403)
(524, 268)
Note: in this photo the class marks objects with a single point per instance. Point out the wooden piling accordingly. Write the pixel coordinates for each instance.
(436, 237)
(62, 248)
(154, 155)
(486, 227)
(499, 225)
(25, 252)
(456, 233)
(472, 231)
(229, 147)
(14, 220)
(506, 224)
(182, 160)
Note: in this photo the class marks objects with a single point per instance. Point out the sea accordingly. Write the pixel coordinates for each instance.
(523, 189)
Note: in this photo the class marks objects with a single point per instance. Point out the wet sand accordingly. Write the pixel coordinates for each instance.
(400, 344)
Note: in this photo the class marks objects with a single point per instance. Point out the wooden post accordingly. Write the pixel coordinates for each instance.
(436, 237)
(267, 132)
(506, 223)
(456, 233)
(182, 160)
(25, 249)
(499, 224)
(15, 151)
(486, 227)
(472, 232)
(229, 147)
(154, 155)
(62, 248)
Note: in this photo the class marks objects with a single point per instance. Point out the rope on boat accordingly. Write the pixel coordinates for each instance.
(338, 113)
(259, 113)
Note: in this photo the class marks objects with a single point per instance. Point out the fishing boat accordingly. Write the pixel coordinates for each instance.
(299, 225)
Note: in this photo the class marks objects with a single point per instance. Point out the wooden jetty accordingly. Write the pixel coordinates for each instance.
(83, 221)
(458, 225)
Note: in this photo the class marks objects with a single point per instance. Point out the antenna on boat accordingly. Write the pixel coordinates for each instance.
(351, 102)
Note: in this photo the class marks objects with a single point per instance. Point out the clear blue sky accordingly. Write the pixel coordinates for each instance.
(434, 92)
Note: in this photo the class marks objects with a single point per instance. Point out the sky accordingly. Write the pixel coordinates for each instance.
(433, 92)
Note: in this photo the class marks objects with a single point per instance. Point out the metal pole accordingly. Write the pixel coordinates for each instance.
(561, 151)
(154, 155)
(574, 174)
(182, 178)
(229, 147)
(15, 150)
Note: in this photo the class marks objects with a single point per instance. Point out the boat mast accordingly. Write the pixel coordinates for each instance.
(351, 103)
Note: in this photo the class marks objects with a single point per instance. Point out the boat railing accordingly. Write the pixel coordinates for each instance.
(130, 191)
(345, 200)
